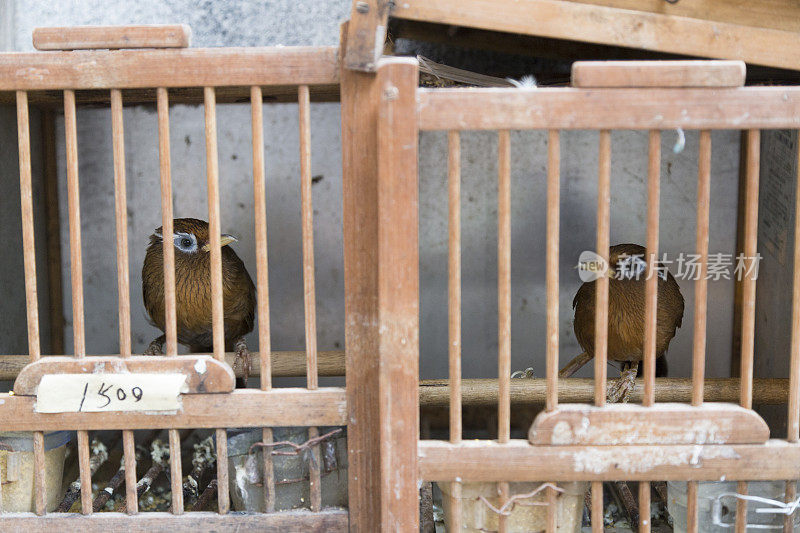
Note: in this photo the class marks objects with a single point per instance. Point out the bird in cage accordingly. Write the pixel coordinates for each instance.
(627, 273)
(193, 292)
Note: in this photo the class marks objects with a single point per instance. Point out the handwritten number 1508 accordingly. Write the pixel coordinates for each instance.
(136, 393)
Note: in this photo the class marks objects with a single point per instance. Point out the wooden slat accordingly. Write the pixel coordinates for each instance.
(221, 444)
(329, 520)
(533, 392)
(165, 172)
(366, 33)
(121, 222)
(285, 364)
(112, 37)
(39, 475)
(561, 19)
(665, 423)
(504, 284)
(601, 284)
(701, 284)
(243, 408)
(644, 507)
(748, 280)
(73, 200)
(215, 376)
(398, 303)
(129, 456)
(519, 461)
(175, 471)
(691, 512)
(793, 415)
(262, 266)
(553, 233)
(314, 477)
(659, 73)
(651, 288)
(791, 494)
(741, 508)
(646, 108)
(598, 508)
(454, 289)
(269, 473)
(85, 472)
(199, 67)
(28, 247)
(212, 180)
(502, 498)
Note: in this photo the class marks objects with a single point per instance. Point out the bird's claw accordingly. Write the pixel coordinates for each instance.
(621, 390)
(156, 347)
(527, 373)
(241, 365)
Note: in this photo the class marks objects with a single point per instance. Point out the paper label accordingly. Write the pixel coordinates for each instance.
(94, 393)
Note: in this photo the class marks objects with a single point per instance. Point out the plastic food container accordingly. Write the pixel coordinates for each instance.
(16, 469)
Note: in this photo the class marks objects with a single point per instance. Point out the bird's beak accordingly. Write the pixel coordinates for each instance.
(611, 273)
(224, 240)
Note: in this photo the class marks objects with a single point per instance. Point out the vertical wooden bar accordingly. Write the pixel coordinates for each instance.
(597, 506)
(791, 494)
(314, 477)
(212, 178)
(31, 298)
(644, 507)
(651, 292)
(601, 287)
(55, 287)
(176, 472)
(73, 200)
(793, 419)
(691, 512)
(553, 222)
(454, 308)
(123, 281)
(170, 312)
(76, 271)
(262, 288)
(748, 297)
(504, 284)
(398, 303)
(701, 285)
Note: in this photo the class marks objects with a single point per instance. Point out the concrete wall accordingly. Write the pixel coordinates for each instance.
(308, 22)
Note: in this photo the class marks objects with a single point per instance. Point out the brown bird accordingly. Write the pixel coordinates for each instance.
(193, 291)
(626, 315)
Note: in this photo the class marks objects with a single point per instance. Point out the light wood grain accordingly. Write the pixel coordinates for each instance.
(519, 461)
(570, 108)
(741, 508)
(167, 231)
(314, 475)
(651, 284)
(560, 19)
(553, 234)
(73, 203)
(398, 303)
(112, 37)
(85, 472)
(791, 494)
(28, 246)
(217, 67)
(660, 73)
(691, 512)
(644, 507)
(215, 251)
(121, 224)
(243, 408)
(601, 284)
(129, 458)
(701, 283)
(175, 472)
(665, 423)
(215, 376)
(598, 509)
(39, 475)
(749, 278)
(328, 520)
(503, 285)
(223, 497)
(454, 287)
(366, 33)
(269, 473)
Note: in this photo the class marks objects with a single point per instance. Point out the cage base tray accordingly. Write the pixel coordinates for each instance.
(663, 423)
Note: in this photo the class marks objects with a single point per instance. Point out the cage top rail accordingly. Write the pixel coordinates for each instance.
(180, 67)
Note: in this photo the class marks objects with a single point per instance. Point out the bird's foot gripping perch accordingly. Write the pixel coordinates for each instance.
(156, 347)
(241, 365)
(622, 389)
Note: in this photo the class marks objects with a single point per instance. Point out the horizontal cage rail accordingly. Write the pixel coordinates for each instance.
(627, 109)
(241, 408)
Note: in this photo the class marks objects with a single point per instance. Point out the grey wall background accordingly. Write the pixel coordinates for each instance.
(309, 22)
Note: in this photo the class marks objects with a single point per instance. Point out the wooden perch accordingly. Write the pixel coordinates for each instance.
(112, 37)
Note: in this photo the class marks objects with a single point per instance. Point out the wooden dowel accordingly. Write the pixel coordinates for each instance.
(644, 507)
(39, 478)
(73, 200)
(791, 494)
(85, 472)
(269, 473)
(749, 282)
(260, 207)
(691, 511)
(553, 224)
(167, 230)
(212, 178)
(793, 423)
(552, 510)
(502, 498)
(175, 471)
(741, 508)
(504, 284)
(307, 209)
(597, 506)
(314, 475)
(28, 246)
(454, 284)
(701, 284)
(121, 219)
(222, 471)
(129, 455)
(651, 289)
(601, 285)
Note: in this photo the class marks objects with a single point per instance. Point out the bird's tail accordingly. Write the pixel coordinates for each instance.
(575, 365)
